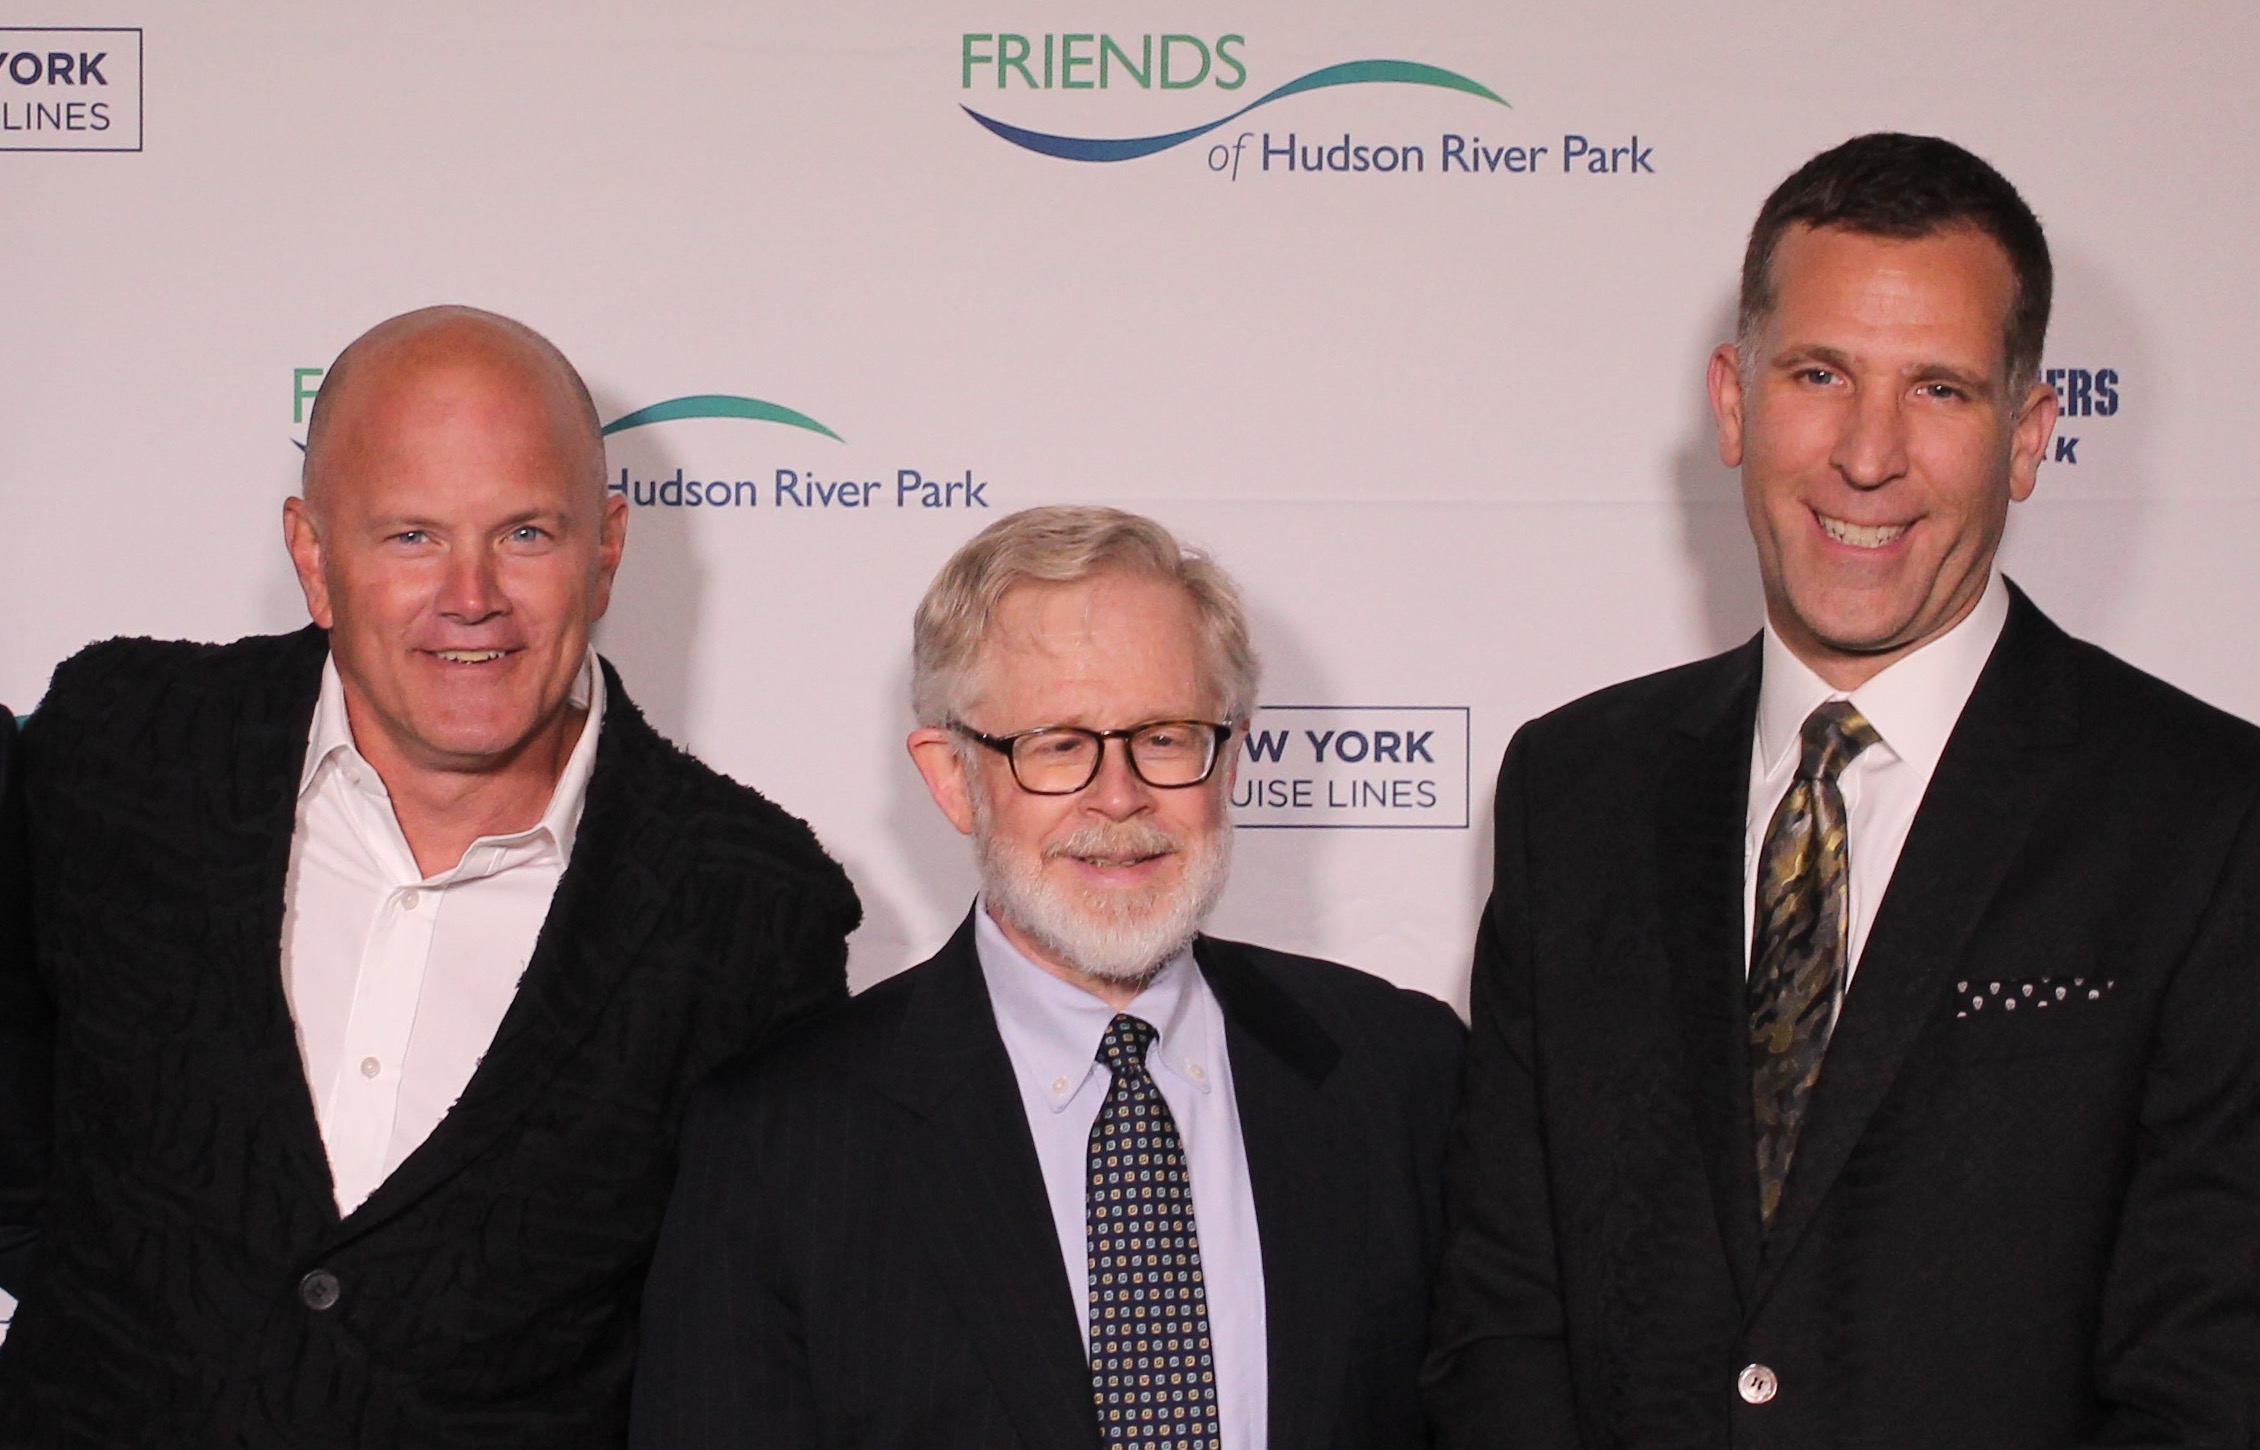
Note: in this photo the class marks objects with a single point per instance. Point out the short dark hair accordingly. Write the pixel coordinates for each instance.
(1887, 184)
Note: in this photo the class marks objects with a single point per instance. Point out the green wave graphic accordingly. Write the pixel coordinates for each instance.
(718, 405)
(1348, 73)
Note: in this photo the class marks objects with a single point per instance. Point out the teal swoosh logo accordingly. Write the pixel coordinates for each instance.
(1348, 73)
(718, 405)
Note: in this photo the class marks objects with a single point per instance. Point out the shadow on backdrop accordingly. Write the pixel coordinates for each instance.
(1712, 528)
(942, 877)
(658, 600)
(1273, 898)
(2074, 545)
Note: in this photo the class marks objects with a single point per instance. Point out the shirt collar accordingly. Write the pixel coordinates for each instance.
(1052, 1028)
(330, 748)
(1913, 702)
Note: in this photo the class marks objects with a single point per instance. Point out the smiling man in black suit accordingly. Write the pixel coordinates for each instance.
(1087, 1177)
(1865, 1020)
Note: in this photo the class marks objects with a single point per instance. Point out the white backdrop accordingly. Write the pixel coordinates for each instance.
(1445, 425)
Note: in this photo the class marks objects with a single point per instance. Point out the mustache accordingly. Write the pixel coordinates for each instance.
(1119, 840)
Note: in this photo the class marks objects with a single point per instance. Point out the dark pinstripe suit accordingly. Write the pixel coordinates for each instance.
(860, 1252)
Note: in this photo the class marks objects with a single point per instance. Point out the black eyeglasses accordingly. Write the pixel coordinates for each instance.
(1063, 759)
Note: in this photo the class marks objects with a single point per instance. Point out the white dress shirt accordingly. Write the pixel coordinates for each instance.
(1051, 1030)
(397, 981)
(1913, 703)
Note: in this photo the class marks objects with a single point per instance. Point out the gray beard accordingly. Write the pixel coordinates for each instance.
(1114, 936)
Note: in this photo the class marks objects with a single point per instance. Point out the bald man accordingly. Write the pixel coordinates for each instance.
(386, 954)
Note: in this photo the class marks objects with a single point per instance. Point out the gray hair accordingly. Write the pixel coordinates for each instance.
(1063, 545)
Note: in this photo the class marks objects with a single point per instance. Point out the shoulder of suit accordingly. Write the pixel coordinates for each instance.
(2138, 713)
(1637, 710)
(1348, 1002)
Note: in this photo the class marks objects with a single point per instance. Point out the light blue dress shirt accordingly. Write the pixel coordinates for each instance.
(1051, 1030)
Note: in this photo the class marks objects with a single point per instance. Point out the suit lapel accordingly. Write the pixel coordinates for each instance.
(1703, 802)
(968, 1168)
(1309, 1198)
(251, 806)
(2006, 755)
(626, 860)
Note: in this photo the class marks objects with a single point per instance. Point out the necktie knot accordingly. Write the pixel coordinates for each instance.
(1123, 1049)
(1833, 736)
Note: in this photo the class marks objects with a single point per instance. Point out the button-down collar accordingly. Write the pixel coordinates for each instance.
(1054, 1027)
(331, 754)
(1913, 703)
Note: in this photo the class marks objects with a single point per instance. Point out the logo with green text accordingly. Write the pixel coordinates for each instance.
(1009, 62)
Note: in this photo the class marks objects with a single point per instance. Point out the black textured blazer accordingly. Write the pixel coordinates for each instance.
(193, 1284)
(2007, 1227)
(860, 1253)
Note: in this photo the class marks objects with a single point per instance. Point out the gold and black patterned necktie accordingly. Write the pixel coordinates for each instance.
(1800, 941)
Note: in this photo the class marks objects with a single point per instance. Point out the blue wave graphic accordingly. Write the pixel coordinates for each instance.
(718, 405)
(1129, 148)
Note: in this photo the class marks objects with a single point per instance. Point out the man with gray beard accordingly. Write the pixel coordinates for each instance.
(1086, 1177)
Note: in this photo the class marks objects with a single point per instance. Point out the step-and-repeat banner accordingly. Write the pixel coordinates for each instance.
(1401, 310)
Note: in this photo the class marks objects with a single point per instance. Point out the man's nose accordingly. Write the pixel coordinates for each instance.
(1872, 449)
(472, 589)
(1116, 791)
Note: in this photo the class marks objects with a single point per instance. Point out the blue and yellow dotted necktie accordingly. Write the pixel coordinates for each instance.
(1800, 942)
(1153, 1370)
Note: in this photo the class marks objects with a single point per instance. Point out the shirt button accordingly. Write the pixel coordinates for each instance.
(407, 901)
(318, 1291)
(1059, 1084)
(1757, 1384)
(370, 1067)
(1198, 1073)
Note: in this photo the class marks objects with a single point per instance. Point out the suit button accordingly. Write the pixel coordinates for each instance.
(1757, 1384)
(318, 1290)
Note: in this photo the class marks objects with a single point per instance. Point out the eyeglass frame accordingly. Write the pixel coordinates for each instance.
(1221, 736)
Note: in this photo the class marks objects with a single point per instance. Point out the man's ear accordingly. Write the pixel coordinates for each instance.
(1725, 379)
(304, 540)
(612, 542)
(2028, 440)
(934, 751)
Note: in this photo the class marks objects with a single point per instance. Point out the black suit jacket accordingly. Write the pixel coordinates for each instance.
(860, 1252)
(2004, 1228)
(26, 1050)
(487, 1291)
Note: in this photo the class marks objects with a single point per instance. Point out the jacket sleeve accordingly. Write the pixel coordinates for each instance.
(1498, 1367)
(26, 1033)
(809, 932)
(2177, 1357)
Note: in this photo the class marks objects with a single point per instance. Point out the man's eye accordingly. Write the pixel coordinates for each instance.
(1941, 390)
(526, 534)
(1819, 377)
(410, 536)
